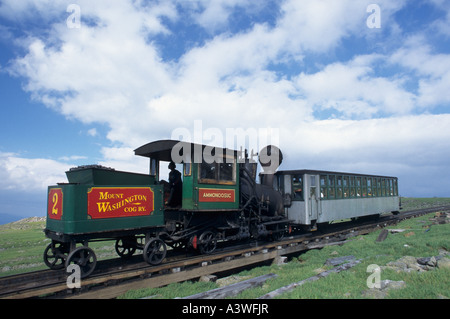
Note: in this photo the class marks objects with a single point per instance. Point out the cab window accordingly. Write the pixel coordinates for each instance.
(217, 173)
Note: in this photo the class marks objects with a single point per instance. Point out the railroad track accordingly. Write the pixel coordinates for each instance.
(115, 277)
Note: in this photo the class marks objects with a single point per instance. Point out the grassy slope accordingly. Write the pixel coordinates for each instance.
(22, 245)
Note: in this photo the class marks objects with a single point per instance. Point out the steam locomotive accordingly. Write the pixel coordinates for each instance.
(215, 198)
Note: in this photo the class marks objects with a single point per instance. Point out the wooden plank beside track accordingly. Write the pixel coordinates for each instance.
(182, 275)
(233, 289)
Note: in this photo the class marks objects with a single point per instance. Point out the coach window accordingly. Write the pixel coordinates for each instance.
(395, 187)
(358, 187)
(378, 187)
(297, 187)
(323, 186)
(346, 189)
(339, 187)
(374, 187)
(312, 187)
(364, 186)
(331, 190)
(352, 186)
(369, 186)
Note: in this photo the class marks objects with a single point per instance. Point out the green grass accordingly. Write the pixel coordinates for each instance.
(22, 246)
(409, 203)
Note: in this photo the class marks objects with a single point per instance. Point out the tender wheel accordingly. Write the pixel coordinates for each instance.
(53, 256)
(155, 251)
(83, 257)
(126, 247)
(207, 242)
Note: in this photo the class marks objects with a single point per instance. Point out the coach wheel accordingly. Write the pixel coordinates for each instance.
(53, 256)
(155, 251)
(126, 247)
(83, 257)
(207, 242)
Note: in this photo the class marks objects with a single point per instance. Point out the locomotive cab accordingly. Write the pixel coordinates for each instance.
(210, 176)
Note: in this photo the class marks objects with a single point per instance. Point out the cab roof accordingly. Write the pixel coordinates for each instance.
(162, 150)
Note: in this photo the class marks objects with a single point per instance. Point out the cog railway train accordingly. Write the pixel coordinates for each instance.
(218, 200)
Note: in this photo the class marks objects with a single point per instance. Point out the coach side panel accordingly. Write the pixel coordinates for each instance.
(337, 209)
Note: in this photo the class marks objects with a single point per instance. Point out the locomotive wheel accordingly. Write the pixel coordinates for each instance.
(83, 257)
(207, 242)
(155, 251)
(278, 233)
(126, 247)
(53, 256)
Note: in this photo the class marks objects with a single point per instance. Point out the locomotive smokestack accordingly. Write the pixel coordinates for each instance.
(270, 158)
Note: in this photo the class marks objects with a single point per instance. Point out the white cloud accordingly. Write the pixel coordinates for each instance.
(31, 9)
(442, 25)
(92, 132)
(352, 89)
(411, 137)
(100, 73)
(36, 174)
(432, 69)
(321, 25)
(123, 159)
(72, 158)
(111, 71)
(214, 15)
(30, 175)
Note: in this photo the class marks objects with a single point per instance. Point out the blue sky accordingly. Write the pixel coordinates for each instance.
(87, 82)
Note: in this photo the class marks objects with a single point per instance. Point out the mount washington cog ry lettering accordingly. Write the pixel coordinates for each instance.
(120, 202)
